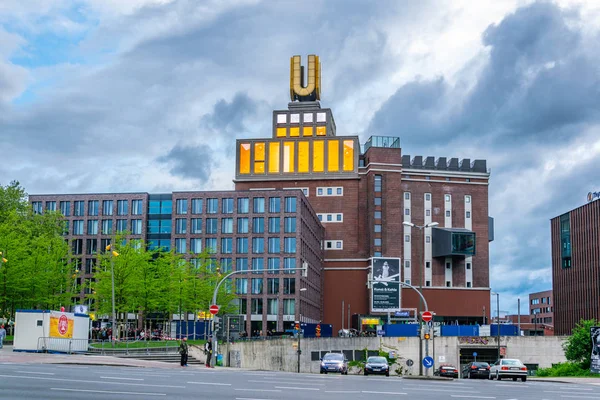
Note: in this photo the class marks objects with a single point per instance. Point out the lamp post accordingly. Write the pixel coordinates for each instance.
(299, 324)
(113, 254)
(535, 322)
(421, 256)
(498, 319)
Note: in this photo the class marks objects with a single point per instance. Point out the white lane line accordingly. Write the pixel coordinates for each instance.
(464, 396)
(259, 390)
(34, 372)
(108, 392)
(122, 379)
(342, 391)
(570, 388)
(295, 388)
(43, 378)
(374, 392)
(579, 397)
(210, 383)
(289, 382)
(247, 398)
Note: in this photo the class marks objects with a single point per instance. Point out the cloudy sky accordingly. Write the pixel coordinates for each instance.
(149, 95)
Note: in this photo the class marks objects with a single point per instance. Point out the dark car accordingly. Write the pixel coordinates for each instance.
(448, 371)
(476, 370)
(334, 362)
(377, 365)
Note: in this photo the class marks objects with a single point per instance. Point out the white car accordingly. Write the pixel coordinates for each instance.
(508, 368)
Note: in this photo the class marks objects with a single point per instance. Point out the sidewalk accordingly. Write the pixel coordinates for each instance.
(579, 381)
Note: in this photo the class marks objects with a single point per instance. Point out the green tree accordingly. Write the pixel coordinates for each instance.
(578, 346)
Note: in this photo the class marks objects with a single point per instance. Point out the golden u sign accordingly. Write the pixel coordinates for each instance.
(305, 91)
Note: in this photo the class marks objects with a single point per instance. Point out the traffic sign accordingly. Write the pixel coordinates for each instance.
(380, 332)
(214, 309)
(474, 354)
(427, 316)
(409, 362)
(428, 362)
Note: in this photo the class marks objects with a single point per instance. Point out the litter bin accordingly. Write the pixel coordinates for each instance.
(219, 360)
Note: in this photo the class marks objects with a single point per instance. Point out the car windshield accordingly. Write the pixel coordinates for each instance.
(333, 357)
(481, 364)
(511, 362)
(377, 360)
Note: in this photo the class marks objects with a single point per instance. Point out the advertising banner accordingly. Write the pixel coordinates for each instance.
(595, 356)
(385, 288)
(61, 325)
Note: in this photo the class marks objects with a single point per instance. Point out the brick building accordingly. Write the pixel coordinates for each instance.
(541, 309)
(575, 239)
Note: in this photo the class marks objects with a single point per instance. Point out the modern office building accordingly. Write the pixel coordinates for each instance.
(576, 265)
(354, 203)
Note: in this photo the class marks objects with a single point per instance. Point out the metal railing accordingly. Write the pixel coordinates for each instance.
(106, 347)
(62, 345)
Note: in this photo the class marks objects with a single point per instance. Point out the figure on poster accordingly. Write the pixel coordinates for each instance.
(386, 271)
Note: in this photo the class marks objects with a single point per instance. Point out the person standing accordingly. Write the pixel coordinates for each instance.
(2, 335)
(183, 350)
(208, 351)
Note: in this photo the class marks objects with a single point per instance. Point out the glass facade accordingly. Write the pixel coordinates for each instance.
(463, 243)
(565, 240)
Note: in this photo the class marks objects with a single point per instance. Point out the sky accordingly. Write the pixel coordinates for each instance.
(150, 95)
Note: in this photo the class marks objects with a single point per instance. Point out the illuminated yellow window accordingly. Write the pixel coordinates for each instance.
(348, 155)
(303, 156)
(244, 158)
(307, 131)
(288, 156)
(281, 132)
(274, 157)
(294, 131)
(318, 156)
(259, 167)
(333, 155)
(321, 131)
(259, 151)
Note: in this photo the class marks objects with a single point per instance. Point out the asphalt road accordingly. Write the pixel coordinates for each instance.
(47, 381)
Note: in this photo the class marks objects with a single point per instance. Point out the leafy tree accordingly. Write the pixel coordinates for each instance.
(578, 346)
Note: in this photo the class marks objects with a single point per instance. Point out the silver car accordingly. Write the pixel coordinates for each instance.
(334, 362)
(508, 368)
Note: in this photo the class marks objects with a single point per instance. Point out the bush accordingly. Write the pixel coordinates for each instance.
(564, 369)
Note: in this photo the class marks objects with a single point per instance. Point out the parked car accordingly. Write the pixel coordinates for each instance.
(508, 368)
(476, 370)
(448, 371)
(377, 365)
(334, 362)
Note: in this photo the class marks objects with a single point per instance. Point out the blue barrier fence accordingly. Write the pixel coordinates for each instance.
(408, 330)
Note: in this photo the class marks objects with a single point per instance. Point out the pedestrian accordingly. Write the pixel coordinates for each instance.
(2, 335)
(208, 351)
(183, 350)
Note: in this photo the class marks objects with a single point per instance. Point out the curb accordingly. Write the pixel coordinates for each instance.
(427, 378)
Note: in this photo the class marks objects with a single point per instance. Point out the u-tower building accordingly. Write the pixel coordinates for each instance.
(306, 196)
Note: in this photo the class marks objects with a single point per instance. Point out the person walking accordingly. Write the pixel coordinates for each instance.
(2, 336)
(183, 350)
(208, 352)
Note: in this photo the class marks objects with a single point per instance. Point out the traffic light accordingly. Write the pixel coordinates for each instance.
(297, 327)
(217, 325)
(427, 336)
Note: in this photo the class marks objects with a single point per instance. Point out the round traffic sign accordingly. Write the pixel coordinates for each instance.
(214, 309)
(428, 362)
(474, 354)
(427, 316)
(409, 362)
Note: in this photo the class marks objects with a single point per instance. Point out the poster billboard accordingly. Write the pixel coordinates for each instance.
(61, 324)
(595, 356)
(385, 288)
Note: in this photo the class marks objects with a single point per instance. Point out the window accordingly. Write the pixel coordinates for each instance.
(226, 245)
(427, 283)
(136, 207)
(272, 307)
(377, 242)
(274, 223)
(281, 118)
(428, 213)
(107, 207)
(290, 204)
(407, 211)
(289, 245)
(377, 228)
(274, 204)
(180, 246)
(65, 208)
(212, 206)
(160, 207)
(319, 191)
(78, 207)
(377, 201)
(448, 284)
(227, 206)
(77, 246)
(447, 213)
(50, 206)
(289, 306)
(211, 225)
(211, 245)
(257, 285)
(427, 264)
(273, 286)
(259, 205)
(196, 246)
(273, 265)
(406, 195)
(241, 264)
(258, 265)
(407, 238)
(407, 281)
(122, 207)
(121, 225)
(377, 215)
(227, 225)
(468, 284)
(180, 225)
(78, 227)
(329, 217)
(377, 183)
(242, 245)
(289, 265)
(427, 239)
(330, 191)
(290, 225)
(448, 179)
(181, 206)
(289, 285)
(107, 226)
(243, 205)
(468, 214)
(226, 266)
(92, 207)
(90, 265)
(467, 199)
(448, 265)
(258, 245)
(92, 227)
(242, 225)
(258, 225)
(241, 286)
(407, 264)
(196, 225)
(447, 197)
(136, 226)
(274, 245)
(159, 226)
(427, 196)
(335, 245)
(468, 265)
(91, 246)
(196, 206)
(377, 254)
(257, 306)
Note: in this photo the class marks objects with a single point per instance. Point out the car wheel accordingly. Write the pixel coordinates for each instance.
(491, 377)
(387, 373)
(524, 379)
(321, 372)
(366, 373)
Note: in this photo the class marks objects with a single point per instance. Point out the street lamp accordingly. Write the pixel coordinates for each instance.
(421, 255)
(498, 319)
(113, 254)
(300, 324)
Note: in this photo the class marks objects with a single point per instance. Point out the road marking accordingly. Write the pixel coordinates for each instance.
(342, 391)
(210, 383)
(259, 390)
(373, 392)
(34, 372)
(580, 396)
(120, 378)
(295, 388)
(108, 392)
(43, 378)
(464, 396)
(247, 398)
(289, 382)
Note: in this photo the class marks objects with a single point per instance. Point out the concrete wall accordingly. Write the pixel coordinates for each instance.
(280, 355)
